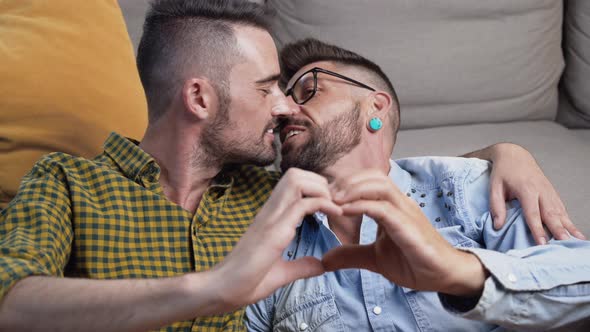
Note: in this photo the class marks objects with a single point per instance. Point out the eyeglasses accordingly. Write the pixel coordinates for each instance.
(306, 85)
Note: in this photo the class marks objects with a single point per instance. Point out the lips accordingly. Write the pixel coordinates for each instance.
(290, 131)
(272, 129)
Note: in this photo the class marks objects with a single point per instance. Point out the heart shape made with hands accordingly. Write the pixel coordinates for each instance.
(408, 250)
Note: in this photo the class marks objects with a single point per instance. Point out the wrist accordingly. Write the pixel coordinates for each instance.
(469, 276)
(505, 150)
(496, 151)
(206, 293)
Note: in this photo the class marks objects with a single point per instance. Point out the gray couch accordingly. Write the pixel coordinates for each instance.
(468, 73)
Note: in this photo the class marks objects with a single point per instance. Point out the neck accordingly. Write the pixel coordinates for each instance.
(183, 178)
(361, 158)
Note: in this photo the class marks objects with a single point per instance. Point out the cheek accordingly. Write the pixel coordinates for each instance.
(247, 124)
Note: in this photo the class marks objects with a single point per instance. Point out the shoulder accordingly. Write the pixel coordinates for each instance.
(465, 183)
(56, 164)
(437, 169)
(64, 167)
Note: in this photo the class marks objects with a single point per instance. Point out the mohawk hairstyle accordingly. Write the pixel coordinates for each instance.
(183, 37)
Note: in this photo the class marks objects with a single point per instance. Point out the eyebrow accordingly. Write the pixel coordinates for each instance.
(271, 78)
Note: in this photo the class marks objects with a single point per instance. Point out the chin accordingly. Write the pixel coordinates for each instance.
(264, 160)
(287, 163)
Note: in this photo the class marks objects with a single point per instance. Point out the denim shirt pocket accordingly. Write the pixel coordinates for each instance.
(313, 312)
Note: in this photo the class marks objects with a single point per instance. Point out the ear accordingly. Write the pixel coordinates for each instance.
(199, 98)
(380, 104)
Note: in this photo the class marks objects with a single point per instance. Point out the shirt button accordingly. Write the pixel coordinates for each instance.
(303, 327)
(377, 310)
(512, 278)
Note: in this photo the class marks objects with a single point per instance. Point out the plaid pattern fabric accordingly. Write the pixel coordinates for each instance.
(108, 218)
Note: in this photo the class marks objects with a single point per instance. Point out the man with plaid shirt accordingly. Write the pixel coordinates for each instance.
(134, 239)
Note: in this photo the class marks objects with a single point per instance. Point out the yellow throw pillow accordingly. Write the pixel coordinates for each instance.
(67, 79)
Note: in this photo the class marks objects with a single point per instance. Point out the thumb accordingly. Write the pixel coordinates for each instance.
(350, 256)
(498, 204)
(305, 267)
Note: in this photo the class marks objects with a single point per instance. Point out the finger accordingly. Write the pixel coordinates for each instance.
(407, 229)
(304, 267)
(299, 209)
(354, 178)
(571, 228)
(297, 183)
(310, 185)
(327, 206)
(382, 212)
(288, 219)
(498, 204)
(375, 209)
(349, 257)
(370, 189)
(553, 213)
(564, 217)
(530, 207)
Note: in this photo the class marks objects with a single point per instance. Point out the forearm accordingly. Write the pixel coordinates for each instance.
(492, 152)
(67, 304)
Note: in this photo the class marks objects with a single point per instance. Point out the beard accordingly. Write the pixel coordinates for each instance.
(218, 148)
(326, 143)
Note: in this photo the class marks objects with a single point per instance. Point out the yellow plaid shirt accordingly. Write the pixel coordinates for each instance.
(108, 218)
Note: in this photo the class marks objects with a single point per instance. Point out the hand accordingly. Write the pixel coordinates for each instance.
(255, 268)
(516, 175)
(408, 250)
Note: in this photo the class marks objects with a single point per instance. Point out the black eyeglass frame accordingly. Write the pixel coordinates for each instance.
(315, 71)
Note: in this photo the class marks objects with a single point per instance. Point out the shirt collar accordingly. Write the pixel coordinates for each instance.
(131, 159)
(398, 175)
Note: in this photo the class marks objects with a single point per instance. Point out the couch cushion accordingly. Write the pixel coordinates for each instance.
(68, 79)
(584, 134)
(564, 155)
(453, 62)
(574, 110)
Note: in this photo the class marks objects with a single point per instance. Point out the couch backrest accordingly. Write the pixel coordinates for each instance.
(575, 102)
(452, 62)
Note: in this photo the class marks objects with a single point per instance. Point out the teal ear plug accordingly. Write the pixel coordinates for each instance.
(375, 124)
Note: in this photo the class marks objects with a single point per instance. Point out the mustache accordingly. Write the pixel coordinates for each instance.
(283, 122)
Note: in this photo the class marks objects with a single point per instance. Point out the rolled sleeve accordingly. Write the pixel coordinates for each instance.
(35, 229)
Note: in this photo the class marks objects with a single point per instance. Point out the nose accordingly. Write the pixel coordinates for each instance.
(284, 106)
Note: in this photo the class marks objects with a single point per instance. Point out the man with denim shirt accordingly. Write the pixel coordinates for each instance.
(416, 249)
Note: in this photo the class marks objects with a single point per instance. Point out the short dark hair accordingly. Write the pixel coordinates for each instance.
(184, 37)
(301, 53)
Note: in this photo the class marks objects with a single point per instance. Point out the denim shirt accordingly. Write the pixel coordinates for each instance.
(530, 287)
